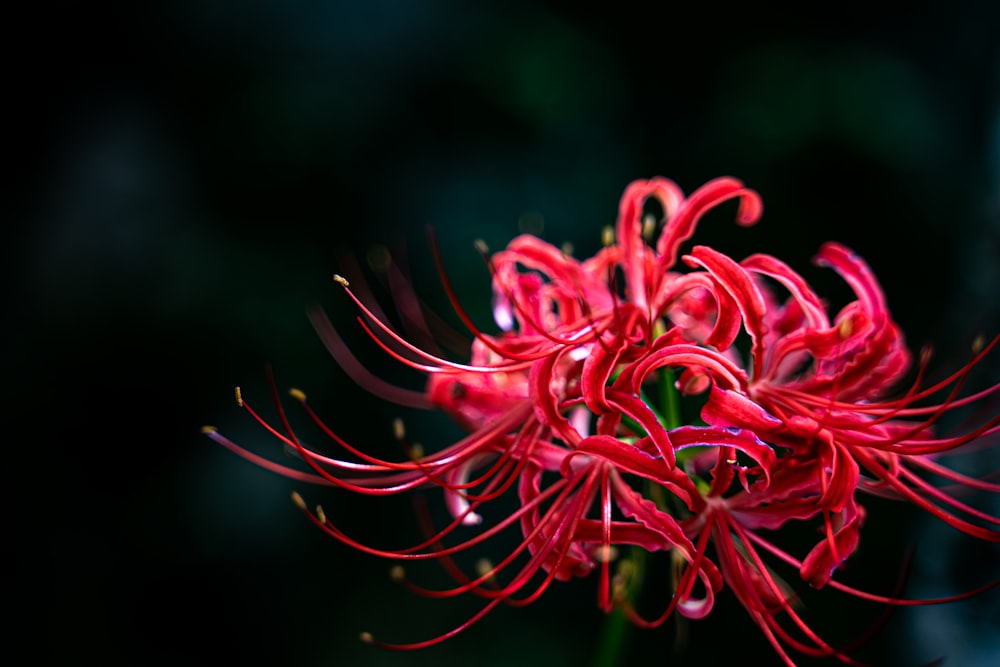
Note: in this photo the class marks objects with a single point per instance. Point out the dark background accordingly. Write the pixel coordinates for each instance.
(182, 181)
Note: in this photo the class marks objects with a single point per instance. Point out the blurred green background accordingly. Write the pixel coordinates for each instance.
(184, 177)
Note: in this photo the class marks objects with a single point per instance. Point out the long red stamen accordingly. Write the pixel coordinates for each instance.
(865, 595)
(909, 494)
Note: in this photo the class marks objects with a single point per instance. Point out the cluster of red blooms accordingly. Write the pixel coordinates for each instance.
(573, 407)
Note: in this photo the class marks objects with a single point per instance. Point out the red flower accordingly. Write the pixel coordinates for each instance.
(573, 407)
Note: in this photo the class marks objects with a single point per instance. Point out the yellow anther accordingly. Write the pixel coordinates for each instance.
(297, 499)
(608, 235)
(398, 430)
(648, 227)
(845, 328)
(320, 514)
(366, 637)
(481, 247)
(567, 249)
(208, 429)
(619, 588)
(978, 343)
(397, 573)
(239, 397)
(341, 279)
(416, 451)
(484, 567)
(297, 394)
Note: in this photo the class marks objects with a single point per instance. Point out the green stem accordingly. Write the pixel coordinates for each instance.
(612, 640)
(670, 400)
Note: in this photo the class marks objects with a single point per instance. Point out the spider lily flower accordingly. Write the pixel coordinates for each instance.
(558, 410)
